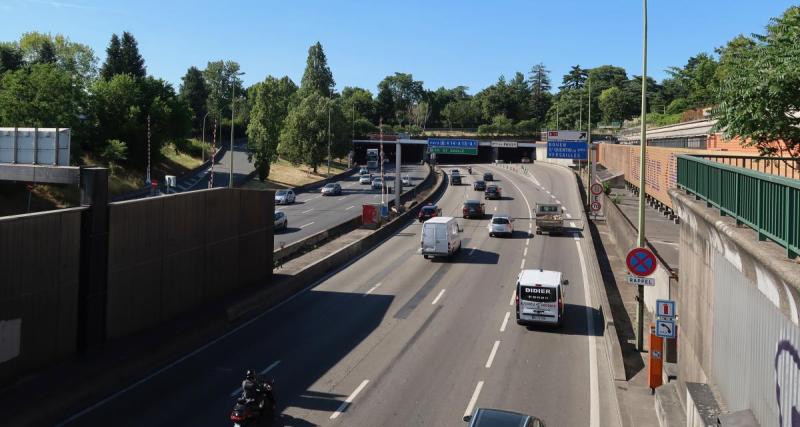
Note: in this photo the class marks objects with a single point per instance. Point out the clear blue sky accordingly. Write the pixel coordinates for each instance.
(443, 43)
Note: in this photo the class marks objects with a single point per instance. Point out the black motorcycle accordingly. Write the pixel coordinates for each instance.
(249, 412)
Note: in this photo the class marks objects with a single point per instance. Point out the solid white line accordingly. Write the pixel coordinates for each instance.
(351, 207)
(349, 400)
(474, 398)
(308, 210)
(569, 216)
(306, 225)
(525, 252)
(435, 300)
(372, 289)
(267, 369)
(505, 322)
(492, 354)
(594, 389)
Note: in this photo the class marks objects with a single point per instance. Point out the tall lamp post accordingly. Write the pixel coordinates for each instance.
(330, 99)
(642, 182)
(233, 104)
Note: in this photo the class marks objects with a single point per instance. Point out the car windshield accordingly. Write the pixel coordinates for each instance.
(500, 220)
(480, 182)
(548, 209)
(429, 209)
(330, 186)
(491, 188)
(281, 193)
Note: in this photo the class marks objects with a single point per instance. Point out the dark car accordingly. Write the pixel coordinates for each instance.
(455, 179)
(492, 192)
(487, 176)
(473, 209)
(429, 211)
(484, 417)
(479, 186)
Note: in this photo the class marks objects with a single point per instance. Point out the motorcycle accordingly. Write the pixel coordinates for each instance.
(248, 412)
(469, 170)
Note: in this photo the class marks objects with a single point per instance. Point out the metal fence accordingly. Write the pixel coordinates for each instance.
(768, 204)
(787, 167)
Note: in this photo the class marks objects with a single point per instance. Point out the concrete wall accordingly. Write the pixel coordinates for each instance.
(737, 312)
(39, 263)
(170, 254)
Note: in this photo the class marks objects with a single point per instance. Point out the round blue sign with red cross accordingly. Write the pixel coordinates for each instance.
(641, 262)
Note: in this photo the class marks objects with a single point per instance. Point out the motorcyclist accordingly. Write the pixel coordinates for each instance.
(253, 389)
(469, 169)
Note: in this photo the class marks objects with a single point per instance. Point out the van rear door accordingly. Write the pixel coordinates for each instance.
(428, 237)
(538, 303)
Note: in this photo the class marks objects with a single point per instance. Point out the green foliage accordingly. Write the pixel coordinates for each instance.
(613, 104)
(317, 77)
(10, 57)
(75, 58)
(270, 100)
(575, 79)
(194, 92)
(696, 81)
(304, 137)
(123, 57)
(659, 119)
(501, 125)
(363, 127)
(462, 113)
(395, 94)
(221, 80)
(678, 106)
(113, 64)
(115, 153)
(760, 96)
(40, 95)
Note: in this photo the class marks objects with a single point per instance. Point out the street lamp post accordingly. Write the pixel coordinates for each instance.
(642, 182)
(233, 105)
(329, 135)
(203, 144)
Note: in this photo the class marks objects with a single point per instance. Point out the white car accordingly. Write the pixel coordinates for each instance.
(377, 183)
(284, 197)
(406, 180)
(363, 171)
(365, 180)
(501, 225)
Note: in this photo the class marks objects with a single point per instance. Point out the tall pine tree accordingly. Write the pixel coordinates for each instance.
(317, 77)
(194, 91)
(132, 61)
(113, 64)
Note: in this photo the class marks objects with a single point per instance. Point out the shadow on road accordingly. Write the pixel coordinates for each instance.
(575, 322)
(478, 256)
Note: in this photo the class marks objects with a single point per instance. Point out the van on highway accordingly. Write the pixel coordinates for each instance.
(540, 297)
(440, 237)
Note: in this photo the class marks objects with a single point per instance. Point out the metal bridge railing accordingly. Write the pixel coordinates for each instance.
(768, 204)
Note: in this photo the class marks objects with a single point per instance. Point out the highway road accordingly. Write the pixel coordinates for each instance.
(312, 212)
(396, 340)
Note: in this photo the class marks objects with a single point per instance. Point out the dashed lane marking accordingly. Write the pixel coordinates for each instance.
(349, 400)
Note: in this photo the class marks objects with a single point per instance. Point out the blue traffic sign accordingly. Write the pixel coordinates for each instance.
(575, 150)
(459, 143)
(666, 329)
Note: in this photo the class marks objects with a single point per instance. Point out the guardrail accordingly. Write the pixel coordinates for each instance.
(768, 204)
(787, 167)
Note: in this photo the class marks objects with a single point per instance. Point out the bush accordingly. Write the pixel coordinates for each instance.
(115, 152)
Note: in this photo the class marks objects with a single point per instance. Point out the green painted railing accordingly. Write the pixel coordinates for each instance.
(768, 204)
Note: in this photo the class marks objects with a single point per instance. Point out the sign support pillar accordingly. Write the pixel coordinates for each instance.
(642, 182)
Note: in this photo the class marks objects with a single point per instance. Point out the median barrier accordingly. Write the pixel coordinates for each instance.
(263, 299)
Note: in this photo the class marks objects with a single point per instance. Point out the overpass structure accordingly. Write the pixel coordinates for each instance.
(511, 151)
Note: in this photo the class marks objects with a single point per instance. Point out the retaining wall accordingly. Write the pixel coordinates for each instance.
(40, 263)
(169, 254)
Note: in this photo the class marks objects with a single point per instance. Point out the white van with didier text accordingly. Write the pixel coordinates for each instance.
(540, 297)
(440, 237)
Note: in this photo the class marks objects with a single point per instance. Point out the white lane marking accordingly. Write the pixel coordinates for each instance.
(474, 399)
(557, 201)
(349, 400)
(547, 191)
(264, 371)
(572, 224)
(351, 207)
(525, 252)
(569, 216)
(306, 225)
(492, 354)
(505, 321)
(377, 285)
(473, 250)
(308, 210)
(495, 208)
(594, 389)
(435, 300)
(527, 241)
(522, 264)
(513, 294)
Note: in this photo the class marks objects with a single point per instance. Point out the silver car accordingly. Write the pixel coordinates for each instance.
(281, 222)
(365, 180)
(501, 225)
(284, 197)
(406, 180)
(332, 189)
(377, 184)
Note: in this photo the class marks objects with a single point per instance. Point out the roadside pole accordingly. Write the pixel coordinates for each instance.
(589, 164)
(642, 182)
(398, 183)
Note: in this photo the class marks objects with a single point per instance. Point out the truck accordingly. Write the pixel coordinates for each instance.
(549, 218)
(373, 158)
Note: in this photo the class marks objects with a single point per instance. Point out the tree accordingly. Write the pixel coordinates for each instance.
(193, 90)
(46, 53)
(220, 79)
(359, 100)
(613, 105)
(575, 79)
(696, 81)
(604, 77)
(404, 91)
(270, 100)
(10, 57)
(41, 95)
(317, 77)
(113, 64)
(418, 114)
(541, 99)
(304, 137)
(760, 96)
(462, 113)
(75, 58)
(132, 62)
(384, 103)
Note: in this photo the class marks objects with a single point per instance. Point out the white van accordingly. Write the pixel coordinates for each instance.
(440, 237)
(540, 297)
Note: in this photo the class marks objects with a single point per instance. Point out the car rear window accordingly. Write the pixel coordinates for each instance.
(500, 221)
(491, 189)
(537, 293)
(548, 209)
(427, 209)
(472, 203)
(281, 193)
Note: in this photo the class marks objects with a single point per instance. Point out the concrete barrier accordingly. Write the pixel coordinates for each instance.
(268, 297)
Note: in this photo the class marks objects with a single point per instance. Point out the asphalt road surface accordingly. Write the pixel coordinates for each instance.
(312, 212)
(396, 340)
